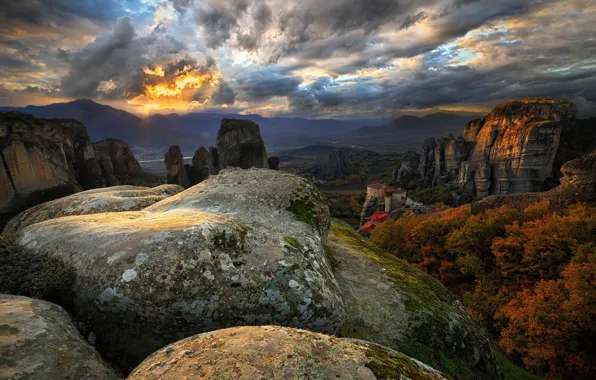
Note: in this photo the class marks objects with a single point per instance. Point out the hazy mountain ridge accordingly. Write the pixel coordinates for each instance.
(191, 130)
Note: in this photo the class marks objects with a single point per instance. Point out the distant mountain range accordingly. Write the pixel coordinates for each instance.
(193, 130)
(407, 131)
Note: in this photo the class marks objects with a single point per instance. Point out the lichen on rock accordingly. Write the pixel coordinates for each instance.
(211, 257)
(39, 341)
(393, 304)
(271, 352)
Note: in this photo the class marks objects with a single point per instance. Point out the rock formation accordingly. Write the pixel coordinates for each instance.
(113, 199)
(577, 185)
(246, 247)
(117, 161)
(39, 341)
(337, 166)
(42, 160)
(272, 352)
(393, 304)
(273, 163)
(202, 162)
(239, 144)
(511, 151)
(174, 161)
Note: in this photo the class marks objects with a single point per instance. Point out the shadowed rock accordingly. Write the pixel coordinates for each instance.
(39, 341)
(117, 161)
(41, 160)
(239, 144)
(273, 163)
(271, 352)
(174, 161)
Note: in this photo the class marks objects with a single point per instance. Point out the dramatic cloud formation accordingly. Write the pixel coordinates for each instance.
(309, 57)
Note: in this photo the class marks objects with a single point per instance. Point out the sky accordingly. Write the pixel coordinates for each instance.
(311, 58)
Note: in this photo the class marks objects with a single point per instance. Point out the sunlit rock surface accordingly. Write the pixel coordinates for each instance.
(510, 151)
(39, 341)
(242, 248)
(396, 305)
(271, 352)
(112, 199)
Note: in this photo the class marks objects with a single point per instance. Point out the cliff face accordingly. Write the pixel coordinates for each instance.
(117, 161)
(239, 144)
(510, 151)
(41, 160)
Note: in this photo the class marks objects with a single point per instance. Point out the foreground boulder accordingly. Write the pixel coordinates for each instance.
(242, 248)
(239, 144)
(271, 352)
(398, 306)
(117, 161)
(113, 199)
(39, 341)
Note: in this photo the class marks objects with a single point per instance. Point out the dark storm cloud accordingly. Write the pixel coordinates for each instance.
(320, 31)
(59, 12)
(224, 94)
(265, 83)
(90, 66)
(218, 23)
(262, 16)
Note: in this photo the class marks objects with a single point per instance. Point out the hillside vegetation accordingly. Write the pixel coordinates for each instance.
(528, 275)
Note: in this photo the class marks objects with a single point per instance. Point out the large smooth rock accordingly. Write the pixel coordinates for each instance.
(112, 199)
(244, 247)
(239, 144)
(117, 161)
(39, 341)
(271, 352)
(396, 305)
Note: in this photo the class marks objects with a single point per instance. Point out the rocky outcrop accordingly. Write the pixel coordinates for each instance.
(117, 161)
(239, 144)
(113, 199)
(41, 160)
(442, 159)
(39, 341)
(511, 151)
(393, 304)
(273, 163)
(202, 162)
(337, 166)
(271, 352)
(577, 185)
(174, 161)
(244, 247)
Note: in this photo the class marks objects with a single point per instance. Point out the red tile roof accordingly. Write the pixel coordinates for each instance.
(377, 186)
(367, 227)
(379, 216)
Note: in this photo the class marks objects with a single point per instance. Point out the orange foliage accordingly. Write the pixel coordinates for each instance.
(501, 262)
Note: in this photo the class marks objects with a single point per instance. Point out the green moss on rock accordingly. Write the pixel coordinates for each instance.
(387, 364)
(292, 242)
(396, 305)
(36, 276)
